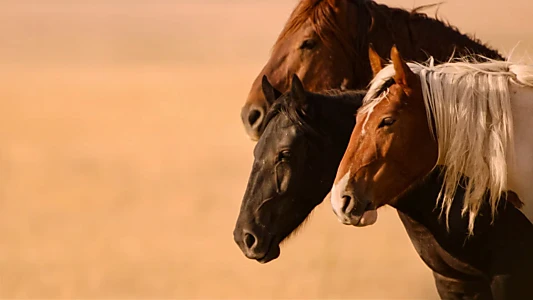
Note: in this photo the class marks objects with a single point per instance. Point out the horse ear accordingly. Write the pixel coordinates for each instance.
(297, 90)
(271, 94)
(404, 76)
(376, 62)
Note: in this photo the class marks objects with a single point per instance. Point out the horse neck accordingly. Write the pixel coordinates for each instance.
(504, 246)
(418, 36)
(419, 204)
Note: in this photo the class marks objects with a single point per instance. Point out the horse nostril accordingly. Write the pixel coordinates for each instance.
(347, 204)
(254, 117)
(249, 240)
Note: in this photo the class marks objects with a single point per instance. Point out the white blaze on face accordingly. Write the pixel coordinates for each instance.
(336, 196)
(366, 120)
(363, 131)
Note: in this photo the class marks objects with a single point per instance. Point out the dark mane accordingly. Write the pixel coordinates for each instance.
(413, 19)
(294, 112)
(370, 18)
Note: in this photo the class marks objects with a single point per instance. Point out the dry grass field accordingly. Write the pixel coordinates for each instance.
(123, 160)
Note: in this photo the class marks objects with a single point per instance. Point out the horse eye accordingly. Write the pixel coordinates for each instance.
(386, 122)
(308, 44)
(284, 155)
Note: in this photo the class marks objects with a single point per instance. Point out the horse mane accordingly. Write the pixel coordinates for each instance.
(370, 20)
(297, 115)
(469, 110)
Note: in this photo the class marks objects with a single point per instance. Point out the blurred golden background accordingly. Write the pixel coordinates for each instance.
(123, 159)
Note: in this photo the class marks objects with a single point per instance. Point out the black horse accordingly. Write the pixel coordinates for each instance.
(295, 164)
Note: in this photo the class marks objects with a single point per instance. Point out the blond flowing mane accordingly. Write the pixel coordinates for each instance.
(470, 106)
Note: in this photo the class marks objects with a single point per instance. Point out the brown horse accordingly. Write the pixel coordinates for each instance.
(459, 115)
(325, 42)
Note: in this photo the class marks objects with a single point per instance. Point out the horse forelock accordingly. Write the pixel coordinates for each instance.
(296, 115)
(379, 85)
(322, 16)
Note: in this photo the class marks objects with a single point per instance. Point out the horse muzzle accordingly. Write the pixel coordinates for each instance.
(351, 210)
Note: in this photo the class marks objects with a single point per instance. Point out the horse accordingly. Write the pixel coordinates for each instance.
(295, 162)
(292, 174)
(473, 118)
(467, 120)
(325, 42)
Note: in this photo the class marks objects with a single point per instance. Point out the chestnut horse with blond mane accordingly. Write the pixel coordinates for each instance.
(325, 43)
(472, 118)
(466, 119)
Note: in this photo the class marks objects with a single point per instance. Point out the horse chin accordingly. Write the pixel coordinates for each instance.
(272, 253)
(364, 214)
(369, 217)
